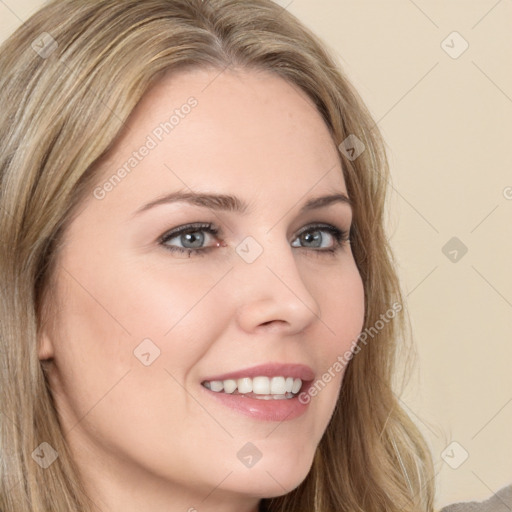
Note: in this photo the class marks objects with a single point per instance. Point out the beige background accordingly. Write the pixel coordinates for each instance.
(447, 122)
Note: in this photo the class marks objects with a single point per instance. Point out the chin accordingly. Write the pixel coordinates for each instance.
(273, 477)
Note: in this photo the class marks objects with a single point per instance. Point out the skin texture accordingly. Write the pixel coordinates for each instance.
(150, 437)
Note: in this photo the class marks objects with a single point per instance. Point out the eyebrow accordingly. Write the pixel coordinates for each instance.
(234, 204)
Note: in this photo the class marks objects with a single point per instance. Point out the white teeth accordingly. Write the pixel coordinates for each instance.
(245, 385)
(261, 385)
(297, 383)
(278, 387)
(216, 385)
(229, 386)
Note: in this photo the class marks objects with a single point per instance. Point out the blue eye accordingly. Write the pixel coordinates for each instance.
(314, 238)
(191, 237)
(322, 238)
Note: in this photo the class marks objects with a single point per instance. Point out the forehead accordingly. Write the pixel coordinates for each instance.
(224, 131)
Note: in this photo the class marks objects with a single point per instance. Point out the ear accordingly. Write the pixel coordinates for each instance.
(45, 348)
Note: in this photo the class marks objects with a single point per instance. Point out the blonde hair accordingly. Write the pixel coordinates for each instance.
(71, 76)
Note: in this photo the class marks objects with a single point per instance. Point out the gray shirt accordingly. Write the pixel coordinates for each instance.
(499, 502)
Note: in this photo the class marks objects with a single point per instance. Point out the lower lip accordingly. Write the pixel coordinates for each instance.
(267, 410)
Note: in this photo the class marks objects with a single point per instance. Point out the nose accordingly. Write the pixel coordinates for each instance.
(272, 294)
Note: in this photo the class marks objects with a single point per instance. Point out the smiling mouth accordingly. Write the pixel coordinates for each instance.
(260, 387)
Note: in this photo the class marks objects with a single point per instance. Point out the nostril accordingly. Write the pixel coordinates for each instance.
(273, 323)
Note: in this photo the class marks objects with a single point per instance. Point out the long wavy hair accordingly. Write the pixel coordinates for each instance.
(70, 77)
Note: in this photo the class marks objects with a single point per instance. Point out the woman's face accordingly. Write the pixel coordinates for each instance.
(261, 291)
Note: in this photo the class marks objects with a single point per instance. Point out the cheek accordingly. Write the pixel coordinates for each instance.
(138, 329)
(342, 304)
(339, 293)
(91, 345)
(163, 290)
(108, 395)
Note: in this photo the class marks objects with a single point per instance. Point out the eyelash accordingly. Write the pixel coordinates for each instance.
(341, 238)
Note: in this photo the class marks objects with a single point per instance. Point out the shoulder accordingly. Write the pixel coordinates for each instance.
(499, 502)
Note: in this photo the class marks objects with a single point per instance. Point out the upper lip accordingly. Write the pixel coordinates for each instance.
(297, 371)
